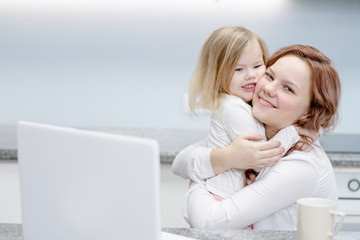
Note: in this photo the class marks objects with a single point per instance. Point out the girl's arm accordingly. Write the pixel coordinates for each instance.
(193, 162)
(199, 162)
(238, 119)
(245, 153)
(288, 137)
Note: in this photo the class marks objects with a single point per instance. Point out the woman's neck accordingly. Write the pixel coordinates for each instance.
(270, 132)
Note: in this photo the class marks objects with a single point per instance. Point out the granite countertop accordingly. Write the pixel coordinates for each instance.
(342, 149)
(228, 234)
(14, 232)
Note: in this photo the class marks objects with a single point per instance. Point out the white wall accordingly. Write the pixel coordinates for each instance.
(127, 63)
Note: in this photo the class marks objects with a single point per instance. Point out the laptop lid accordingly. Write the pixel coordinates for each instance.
(78, 184)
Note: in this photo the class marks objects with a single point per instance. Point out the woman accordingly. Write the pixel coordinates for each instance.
(300, 87)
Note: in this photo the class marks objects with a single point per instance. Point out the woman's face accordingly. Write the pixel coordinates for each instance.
(282, 96)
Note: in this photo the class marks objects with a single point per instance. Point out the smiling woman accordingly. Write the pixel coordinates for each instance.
(289, 80)
(324, 90)
(294, 91)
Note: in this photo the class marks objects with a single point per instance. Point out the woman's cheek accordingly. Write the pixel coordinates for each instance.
(290, 108)
(260, 84)
(285, 102)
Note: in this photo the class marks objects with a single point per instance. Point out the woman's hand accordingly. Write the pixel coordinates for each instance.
(307, 137)
(245, 153)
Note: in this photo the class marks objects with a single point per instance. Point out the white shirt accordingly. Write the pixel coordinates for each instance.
(269, 203)
(234, 119)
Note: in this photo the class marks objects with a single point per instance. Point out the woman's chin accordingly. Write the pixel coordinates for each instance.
(259, 115)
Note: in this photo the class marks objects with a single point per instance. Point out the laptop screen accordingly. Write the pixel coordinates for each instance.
(79, 184)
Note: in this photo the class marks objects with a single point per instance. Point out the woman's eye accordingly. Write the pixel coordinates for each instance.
(268, 76)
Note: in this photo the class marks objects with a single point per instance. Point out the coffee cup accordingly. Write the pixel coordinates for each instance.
(316, 219)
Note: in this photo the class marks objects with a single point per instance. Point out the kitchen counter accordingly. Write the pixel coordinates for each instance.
(14, 232)
(343, 150)
(251, 234)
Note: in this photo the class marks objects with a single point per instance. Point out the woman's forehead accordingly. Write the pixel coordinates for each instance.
(292, 69)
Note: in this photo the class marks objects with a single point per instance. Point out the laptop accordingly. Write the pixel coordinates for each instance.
(86, 185)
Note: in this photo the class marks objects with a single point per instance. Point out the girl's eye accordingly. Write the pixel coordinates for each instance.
(239, 69)
(269, 76)
(260, 65)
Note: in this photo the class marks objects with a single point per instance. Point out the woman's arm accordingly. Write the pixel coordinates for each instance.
(282, 185)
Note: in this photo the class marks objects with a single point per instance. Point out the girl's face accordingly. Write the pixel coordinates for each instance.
(249, 70)
(282, 96)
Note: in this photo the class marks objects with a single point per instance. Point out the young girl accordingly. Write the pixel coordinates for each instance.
(231, 62)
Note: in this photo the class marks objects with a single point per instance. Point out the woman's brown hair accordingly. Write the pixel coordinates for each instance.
(325, 95)
(325, 87)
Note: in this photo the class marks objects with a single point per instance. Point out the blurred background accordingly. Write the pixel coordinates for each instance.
(127, 63)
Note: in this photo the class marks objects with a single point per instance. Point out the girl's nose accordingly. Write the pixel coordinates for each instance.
(250, 74)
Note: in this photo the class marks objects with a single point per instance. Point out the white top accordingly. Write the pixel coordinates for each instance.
(234, 119)
(269, 203)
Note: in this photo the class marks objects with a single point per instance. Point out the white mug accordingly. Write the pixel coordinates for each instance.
(316, 219)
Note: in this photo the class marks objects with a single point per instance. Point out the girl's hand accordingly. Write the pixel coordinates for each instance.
(245, 153)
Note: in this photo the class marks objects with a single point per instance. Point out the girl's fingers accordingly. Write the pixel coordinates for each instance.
(252, 136)
(269, 161)
(263, 146)
(271, 153)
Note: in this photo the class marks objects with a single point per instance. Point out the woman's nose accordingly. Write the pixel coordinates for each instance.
(270, 88)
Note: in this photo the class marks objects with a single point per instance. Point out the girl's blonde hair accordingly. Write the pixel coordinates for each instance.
(216, 65)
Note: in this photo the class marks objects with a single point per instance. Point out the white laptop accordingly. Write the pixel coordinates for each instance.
(86, 185)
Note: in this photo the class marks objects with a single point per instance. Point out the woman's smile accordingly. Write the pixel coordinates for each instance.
(282, 95)
(266, 103)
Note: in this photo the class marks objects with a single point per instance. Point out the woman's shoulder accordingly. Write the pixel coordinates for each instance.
(314, 155)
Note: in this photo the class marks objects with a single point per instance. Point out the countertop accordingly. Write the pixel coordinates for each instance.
(250, 234)
(342, 149)
(14, 232)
